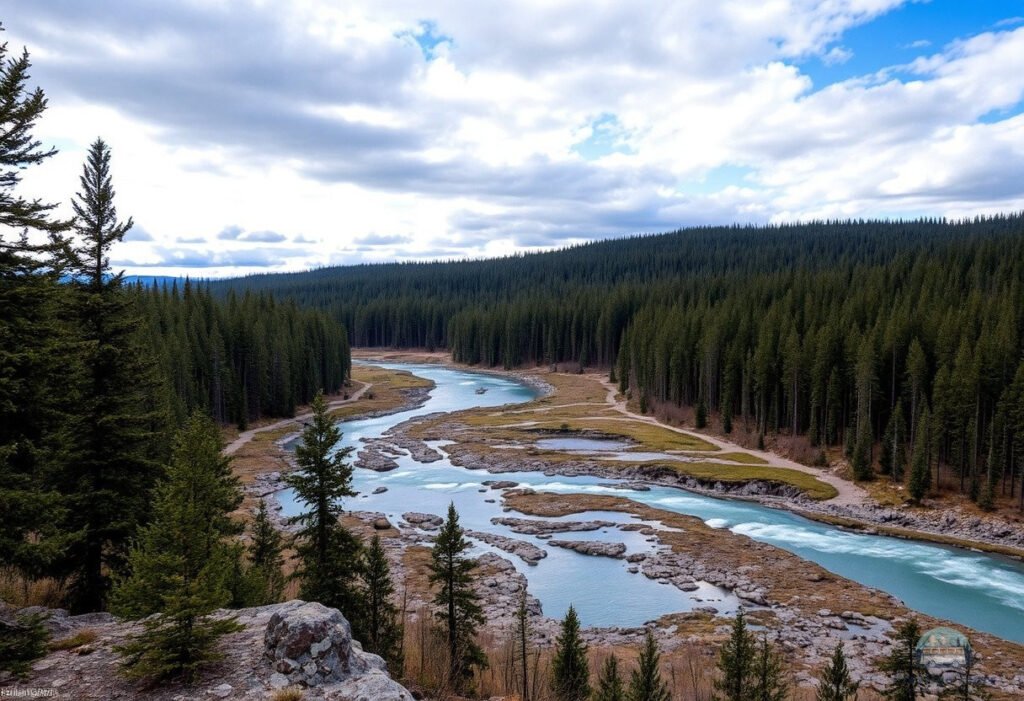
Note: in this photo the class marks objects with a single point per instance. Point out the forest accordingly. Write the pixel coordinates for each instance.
(846, 332)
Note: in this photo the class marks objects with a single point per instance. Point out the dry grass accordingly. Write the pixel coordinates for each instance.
(385, 394)
(19, 592)
(291, 693)
(82, 637)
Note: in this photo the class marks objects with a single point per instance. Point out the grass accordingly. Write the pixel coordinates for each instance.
(291, 693)
(82, 637)
(708, 471)
(385, 394)
(745, 458)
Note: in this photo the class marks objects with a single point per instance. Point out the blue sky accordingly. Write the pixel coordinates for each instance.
(252, 136)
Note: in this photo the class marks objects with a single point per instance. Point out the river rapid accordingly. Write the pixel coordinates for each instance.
(985, 592)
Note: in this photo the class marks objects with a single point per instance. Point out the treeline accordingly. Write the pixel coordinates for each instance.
(241, 357)
(846, 332)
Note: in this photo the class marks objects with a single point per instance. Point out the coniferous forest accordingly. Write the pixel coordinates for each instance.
(846, 332)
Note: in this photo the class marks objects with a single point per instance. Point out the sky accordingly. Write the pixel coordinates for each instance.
(255, 136)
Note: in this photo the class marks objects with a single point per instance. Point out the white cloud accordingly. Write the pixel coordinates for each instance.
(241, 130)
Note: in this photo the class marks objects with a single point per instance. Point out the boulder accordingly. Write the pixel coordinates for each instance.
(428, 522)
(381, 524)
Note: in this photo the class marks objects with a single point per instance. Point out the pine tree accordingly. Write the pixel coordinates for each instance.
(769, 681)
(893, 457)
(834, 681)
(330, 556)
(459, 609)
(22, 640)
(902, 664)
(120, 414)
(521, 637)
(35, 348)
(736, 664)
(181, 562)
(645, 683)
(570, 672)
(861, 460)
(701, 420)
(609, 684)
(266, 562)
(920, 472)
(383, 635)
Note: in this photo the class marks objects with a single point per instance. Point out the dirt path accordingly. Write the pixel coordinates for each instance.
(848, 493)
(246, 436)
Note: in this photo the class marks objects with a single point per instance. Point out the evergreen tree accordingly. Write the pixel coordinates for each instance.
(459, 609)
(383, 636)
(570, 672)
(120, 417)
(521, 637)
(266, 561)
(893, 457)
(701, 420)
(609, 683)
(181, 562)
(330, 556)
(861, 460)
(920, 472)
(769, 681)
(736, 664)
(645, 683)
(22, 640)
(35, 347)
(834, 681)
(902, 664)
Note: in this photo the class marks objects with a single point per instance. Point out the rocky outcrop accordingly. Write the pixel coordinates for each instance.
(533, 526)
(599, 548)
(428, 522)
(527, 552)
(311, 645)
(282, 645)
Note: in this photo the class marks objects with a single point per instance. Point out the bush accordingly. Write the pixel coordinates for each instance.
(21, 642)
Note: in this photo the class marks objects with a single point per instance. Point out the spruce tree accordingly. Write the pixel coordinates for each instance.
(383, 634)
(36, 351)
(609, 684)
(893, 456)
(646, 684)
(902, 664)
(521, 638)
(22, 640)
(121, 417)
(458, 607)
(736, 664)
(701, 420)
(330, 556)
(920, 472)
(181, 562)
(570, 672)
(834, 681)
(266, 562)
(768, 676)
(861, 458)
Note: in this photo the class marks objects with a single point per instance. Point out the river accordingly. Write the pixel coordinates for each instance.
(985, 592)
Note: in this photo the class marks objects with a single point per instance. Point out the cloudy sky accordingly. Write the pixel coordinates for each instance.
(251, 135)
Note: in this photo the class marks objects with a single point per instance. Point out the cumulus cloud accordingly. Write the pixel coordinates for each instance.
(137, 233)
(485, 129)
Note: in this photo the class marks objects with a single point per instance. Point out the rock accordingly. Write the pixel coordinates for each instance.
(501, 484)
(532, 526)
(381, 524)
(428, 522)
(527, 552)
(592, 547)
(380, 490)
(221, 691)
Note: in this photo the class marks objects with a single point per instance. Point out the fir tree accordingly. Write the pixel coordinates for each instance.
(181, 562)
(920, 472)
(834, 681)
(902, 664)
(768, 678)
(646, 684)
(330, 556)
(701, 420)
(609, 684)
(266, 562)
(893, 457)
(121, 417)
(459, 610)
(521, 637)
(736, 664)
(383, 634)
(570, 672)
(21, 641)
(861, 459)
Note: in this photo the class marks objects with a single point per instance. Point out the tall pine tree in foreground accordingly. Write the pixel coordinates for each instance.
(570, 673)
(266, 562)
(35, 346)
(181, 563)
(521, 638)
(834, 681)
(901, 664)
(330, 556)
(121, 415)
(383, 633)
(646, 684)
(609, 683)
(769, 681)
(458, 607)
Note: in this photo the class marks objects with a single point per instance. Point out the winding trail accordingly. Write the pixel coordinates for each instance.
(246, 436)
